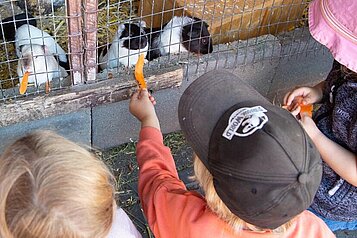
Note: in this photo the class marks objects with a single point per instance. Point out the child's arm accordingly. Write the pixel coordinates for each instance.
(341, 160)
(170, 209)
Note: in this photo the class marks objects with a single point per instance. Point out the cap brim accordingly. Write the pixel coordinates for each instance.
(205, 101)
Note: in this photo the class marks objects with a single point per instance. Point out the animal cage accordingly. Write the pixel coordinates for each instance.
(86, 49)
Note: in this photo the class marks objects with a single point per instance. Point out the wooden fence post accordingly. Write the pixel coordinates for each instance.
(75, 40)
(90, 38)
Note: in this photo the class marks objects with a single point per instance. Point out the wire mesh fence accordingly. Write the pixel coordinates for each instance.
(57, 44)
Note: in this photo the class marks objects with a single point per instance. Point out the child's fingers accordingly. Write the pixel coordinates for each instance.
(152, 99)
(290, 98)
(143, 93)
(296, 111)
(134, 95)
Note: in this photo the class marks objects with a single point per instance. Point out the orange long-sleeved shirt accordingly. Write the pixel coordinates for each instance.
(173, 211)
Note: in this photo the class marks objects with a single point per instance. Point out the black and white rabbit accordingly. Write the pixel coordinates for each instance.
(10, 25)
(180, 34)
(37, 52)
(129, 41)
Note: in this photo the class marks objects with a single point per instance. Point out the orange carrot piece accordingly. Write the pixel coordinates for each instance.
(298, 101)
(306, 109)
(47, 87)
(24, 83)
(139, 75)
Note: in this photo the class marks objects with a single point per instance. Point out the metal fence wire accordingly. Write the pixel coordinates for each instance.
(57, 44)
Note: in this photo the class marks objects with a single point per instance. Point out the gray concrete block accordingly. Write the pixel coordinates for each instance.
(74, 126)
(302, 69)
(112, 124)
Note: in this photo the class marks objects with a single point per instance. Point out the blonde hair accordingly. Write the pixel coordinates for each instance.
(52, 187)
(205, 179)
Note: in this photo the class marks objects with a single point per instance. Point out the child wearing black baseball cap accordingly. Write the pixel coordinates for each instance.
(257, 167)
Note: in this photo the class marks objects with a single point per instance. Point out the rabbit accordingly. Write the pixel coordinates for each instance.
(129, 41)
(180, 34)
(10, 25)
(31, 35)
(40, 63)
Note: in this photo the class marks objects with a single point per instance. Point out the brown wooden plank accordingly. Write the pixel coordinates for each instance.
(72, 99)
(75, 40)
(90, 38)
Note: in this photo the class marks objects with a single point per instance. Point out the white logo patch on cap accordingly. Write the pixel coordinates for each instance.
(245, 121)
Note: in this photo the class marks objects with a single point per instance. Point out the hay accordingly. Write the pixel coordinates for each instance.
(110, 14)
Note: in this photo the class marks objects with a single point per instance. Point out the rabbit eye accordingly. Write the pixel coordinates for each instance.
(204, 41)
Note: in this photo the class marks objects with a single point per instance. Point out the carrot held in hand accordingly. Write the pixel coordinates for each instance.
(24, 83)
(298, 101)
(306, 109)
(139, 75)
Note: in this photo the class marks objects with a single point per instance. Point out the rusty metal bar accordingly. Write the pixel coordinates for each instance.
(90, 38)
(75, 41)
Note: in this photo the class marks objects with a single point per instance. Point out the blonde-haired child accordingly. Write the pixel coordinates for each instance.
(257, 167)
(52, 187)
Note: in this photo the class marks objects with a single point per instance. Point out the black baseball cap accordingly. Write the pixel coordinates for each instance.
(265, 167)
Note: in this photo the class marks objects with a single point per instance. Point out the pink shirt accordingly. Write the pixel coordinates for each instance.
(173, 211)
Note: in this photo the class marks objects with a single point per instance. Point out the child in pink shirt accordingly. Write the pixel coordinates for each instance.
(333, 127)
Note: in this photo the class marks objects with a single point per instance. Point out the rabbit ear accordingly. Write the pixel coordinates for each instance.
(142, 23)
(121, 27)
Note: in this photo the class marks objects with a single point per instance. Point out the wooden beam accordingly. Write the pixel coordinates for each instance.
(85, 96)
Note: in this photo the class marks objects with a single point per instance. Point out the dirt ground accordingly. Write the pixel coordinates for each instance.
(122, 160)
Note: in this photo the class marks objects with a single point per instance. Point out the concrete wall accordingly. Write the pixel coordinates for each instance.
(303, 62)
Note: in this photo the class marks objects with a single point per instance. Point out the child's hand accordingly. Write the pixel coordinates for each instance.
(309, 95)
(309, 125)
(142, 107)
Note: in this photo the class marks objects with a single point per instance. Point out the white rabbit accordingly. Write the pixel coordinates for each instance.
(31, 35)
(40, 63)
